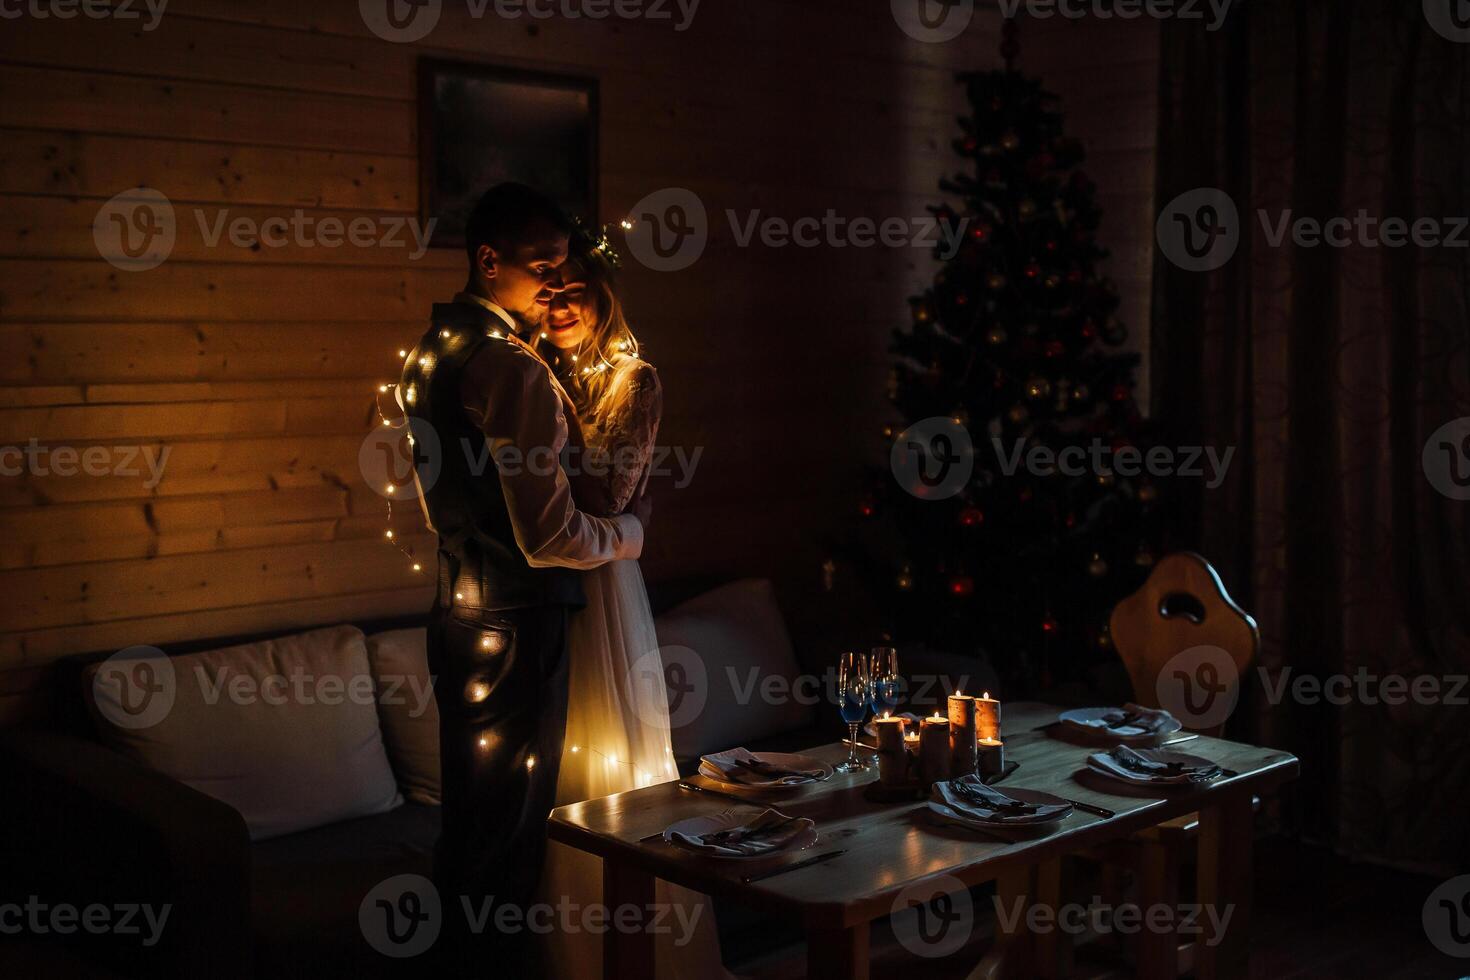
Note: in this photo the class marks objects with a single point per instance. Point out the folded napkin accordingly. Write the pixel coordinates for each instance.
(1138, 765)
(1129, 721)
(972, 800)
(746, 767)
(767, 831)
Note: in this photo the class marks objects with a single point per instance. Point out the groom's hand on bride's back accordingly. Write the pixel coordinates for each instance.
(643, 508)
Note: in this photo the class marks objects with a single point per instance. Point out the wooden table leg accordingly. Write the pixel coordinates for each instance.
(1157, 953)
(838, 954)
(1226, 832)
(1010, 955)
(626, 954)
(1052, 949)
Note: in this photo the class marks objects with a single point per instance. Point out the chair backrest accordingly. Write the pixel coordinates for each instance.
(1183, 608)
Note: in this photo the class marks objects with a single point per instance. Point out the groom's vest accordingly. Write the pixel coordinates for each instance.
(480, 565)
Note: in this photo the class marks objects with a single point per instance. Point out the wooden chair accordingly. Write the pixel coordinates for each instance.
(1182, 605)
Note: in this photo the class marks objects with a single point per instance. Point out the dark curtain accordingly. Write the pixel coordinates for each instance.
(1330, 368)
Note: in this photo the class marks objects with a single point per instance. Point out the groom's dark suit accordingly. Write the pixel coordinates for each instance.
(510, 543)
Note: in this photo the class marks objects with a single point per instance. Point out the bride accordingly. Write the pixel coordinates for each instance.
(617, 734)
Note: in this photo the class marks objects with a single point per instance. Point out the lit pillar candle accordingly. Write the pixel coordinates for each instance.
(934, 749)
(992, 757)
(987, 717)
(893, 762)
(961, 735)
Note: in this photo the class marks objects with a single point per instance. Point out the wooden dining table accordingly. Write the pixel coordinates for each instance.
(893, 851)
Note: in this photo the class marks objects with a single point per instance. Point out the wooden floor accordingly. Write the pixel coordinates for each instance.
(1318, 916)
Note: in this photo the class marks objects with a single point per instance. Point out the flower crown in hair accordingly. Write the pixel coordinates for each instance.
(599, 245)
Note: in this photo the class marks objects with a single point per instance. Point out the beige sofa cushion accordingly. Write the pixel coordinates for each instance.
(407, 710)
(284, 730)
(731, 673)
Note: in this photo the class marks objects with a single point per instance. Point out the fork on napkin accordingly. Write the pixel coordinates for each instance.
(971, 799)
(740, 765)
(769, 830)
(1133, 763)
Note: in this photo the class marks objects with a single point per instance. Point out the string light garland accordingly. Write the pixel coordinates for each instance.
(402, 422)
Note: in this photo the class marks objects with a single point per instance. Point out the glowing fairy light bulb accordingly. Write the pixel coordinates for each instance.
(388, 535)
(417, 567)
(530, 762)
(576, 749)
(403, 353)
(626, 225)
(382, 388)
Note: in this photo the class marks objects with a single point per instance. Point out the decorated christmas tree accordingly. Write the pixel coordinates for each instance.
(1004, 523)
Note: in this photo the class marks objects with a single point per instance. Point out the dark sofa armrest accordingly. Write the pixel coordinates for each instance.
(85, 825)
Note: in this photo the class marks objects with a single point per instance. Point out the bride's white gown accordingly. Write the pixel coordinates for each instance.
(617, 735)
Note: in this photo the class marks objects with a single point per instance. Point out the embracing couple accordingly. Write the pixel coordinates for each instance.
(541, 613)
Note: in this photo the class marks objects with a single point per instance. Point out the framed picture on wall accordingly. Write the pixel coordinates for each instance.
(480, 125)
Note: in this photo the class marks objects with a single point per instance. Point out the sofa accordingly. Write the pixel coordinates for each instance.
(262, 827)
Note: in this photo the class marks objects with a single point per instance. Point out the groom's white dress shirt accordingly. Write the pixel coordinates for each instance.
(511, 395)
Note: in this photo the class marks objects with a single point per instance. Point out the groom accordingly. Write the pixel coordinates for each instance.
(511, 542)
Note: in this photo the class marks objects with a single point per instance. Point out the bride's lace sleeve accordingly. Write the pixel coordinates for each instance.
(629, 431)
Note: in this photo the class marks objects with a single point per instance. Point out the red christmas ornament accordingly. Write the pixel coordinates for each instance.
(972, 517)
(867, 509)
(1089, 329)
(961, 585)
(1033, 270)
(980, 232)
(1051, 245)
(1048, 625)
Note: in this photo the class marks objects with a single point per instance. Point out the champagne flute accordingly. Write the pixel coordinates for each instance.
(883, 668)
(854, 691)
(883, 674)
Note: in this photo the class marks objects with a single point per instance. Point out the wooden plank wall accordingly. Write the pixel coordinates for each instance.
(255, 367)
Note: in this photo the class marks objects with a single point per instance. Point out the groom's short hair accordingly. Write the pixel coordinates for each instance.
(505, 215)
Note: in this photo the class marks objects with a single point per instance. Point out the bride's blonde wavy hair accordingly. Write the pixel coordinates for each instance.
(610, 343)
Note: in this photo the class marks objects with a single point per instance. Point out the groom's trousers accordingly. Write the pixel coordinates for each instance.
(501, 687)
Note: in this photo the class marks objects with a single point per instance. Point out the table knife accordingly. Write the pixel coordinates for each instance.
(695, 787)
(1096, 811)
(814, 859)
